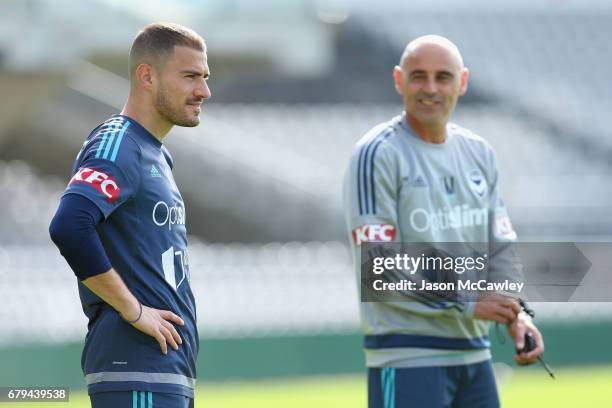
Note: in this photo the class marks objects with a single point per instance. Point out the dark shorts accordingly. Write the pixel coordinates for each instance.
(139, 399)
(471, 385)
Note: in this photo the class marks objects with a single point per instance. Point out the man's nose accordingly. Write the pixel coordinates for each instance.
(203, 91)
(431, 86)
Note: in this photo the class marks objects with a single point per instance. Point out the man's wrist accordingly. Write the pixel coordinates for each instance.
(133, 317)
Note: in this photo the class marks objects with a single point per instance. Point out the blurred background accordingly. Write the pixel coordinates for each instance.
(295, 84)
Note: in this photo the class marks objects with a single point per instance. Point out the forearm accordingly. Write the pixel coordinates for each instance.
(110, 287)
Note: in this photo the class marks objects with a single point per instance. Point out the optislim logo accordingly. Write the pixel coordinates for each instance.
(163, 214)
(459, 216)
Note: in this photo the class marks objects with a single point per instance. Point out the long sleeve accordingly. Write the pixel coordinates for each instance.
(73, 230)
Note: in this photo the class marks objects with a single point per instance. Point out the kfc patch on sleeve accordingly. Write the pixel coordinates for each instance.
(374, 233)
(99, 180)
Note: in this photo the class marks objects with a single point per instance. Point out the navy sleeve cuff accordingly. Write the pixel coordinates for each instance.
(73, 230)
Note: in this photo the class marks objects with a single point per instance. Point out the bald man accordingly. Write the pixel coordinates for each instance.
(420, 179)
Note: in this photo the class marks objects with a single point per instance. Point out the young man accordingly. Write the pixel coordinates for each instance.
(410, 177)
(121, 227)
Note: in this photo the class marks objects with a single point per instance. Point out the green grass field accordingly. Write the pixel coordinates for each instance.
(523, 388)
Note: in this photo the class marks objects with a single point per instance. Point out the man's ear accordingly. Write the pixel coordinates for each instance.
(464, 81)
(144, 76)
(398, 80)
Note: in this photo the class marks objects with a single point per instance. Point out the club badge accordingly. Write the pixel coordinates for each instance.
(477, 183)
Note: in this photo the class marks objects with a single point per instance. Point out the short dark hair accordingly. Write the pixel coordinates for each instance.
(155, 42)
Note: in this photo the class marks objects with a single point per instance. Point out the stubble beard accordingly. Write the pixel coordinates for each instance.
(172, 113)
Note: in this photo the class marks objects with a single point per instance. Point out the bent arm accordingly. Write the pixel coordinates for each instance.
(73, 230)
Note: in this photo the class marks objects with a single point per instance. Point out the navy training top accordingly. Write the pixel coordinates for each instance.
(127, 173)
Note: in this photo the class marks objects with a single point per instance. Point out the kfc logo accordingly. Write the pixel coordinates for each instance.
(374, 233)
(99, 180)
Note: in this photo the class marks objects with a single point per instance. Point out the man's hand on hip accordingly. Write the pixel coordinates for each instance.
(158, 324)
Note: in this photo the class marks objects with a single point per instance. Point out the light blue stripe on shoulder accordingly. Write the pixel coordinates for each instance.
(101, 145)
(109, 142)
(110, 127)
(134, 399)
(150, 395)
(119, 139)
(142, 399)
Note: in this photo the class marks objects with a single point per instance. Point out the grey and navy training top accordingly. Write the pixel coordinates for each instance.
(400, 188)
